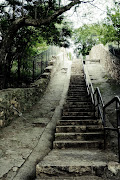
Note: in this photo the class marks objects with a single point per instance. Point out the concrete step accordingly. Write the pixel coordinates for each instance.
(76, 93)
(78, 109)
(81, 99)
(48, 69)
(79, 122)
(81, 96)
(74, 90)
(78, 128)
(81, 86)
(51, 62)
(79, 103)
(77, 81)
(45, 75)
(77, 117)
(82, 104)
(77, 85)
(78, 88)
(80, 113)
(75, 164)
(79, 136)
(72, 178)
(82, 107)
(78, 144)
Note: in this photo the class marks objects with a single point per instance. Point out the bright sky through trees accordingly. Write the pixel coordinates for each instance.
(88, 13)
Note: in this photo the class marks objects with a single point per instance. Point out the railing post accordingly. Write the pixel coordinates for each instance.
(119, 143)
(104, 124)
(98, 102)
(94, 103)
(118, 126)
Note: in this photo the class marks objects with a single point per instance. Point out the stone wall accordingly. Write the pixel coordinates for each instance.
(15, 101)
(107, 59)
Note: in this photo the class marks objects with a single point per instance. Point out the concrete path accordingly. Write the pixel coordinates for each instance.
(109, 88)
(27, 140)
(100, 78)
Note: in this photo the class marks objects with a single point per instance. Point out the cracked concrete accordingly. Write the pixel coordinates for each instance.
(26, 141)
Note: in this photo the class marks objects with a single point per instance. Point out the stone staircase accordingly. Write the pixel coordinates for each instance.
(78, 146)
(78, 126)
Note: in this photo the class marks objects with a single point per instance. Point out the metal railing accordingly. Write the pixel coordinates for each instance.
(100, 108)
(40, 62)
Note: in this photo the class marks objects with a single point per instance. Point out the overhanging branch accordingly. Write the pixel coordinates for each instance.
(39, 22)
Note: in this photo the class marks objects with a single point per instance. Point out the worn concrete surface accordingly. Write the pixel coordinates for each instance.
(29, 138)
(77, 157)
(100, 78)
(73, 178)
(76, 162)
(109, 88)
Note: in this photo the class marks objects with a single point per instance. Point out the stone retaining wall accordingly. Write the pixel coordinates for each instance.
(107, 59)
(13, 101)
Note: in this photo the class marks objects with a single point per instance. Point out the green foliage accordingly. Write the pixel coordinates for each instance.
(36, 9)
(110, 30)
(107, 32)
(85, 38)
(113, 24)
(27, 43)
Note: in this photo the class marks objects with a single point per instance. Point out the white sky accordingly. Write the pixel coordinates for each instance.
(87, 13)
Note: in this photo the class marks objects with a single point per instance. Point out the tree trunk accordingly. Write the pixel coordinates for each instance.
(5, 49)
(19, 66)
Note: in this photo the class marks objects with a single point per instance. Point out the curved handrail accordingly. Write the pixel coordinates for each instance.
(97, 90)
(116, 98)
(90, 88)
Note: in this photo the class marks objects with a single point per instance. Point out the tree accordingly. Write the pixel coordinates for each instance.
(85, 38)
(110, 29)
(113, 21)
(37, 13)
